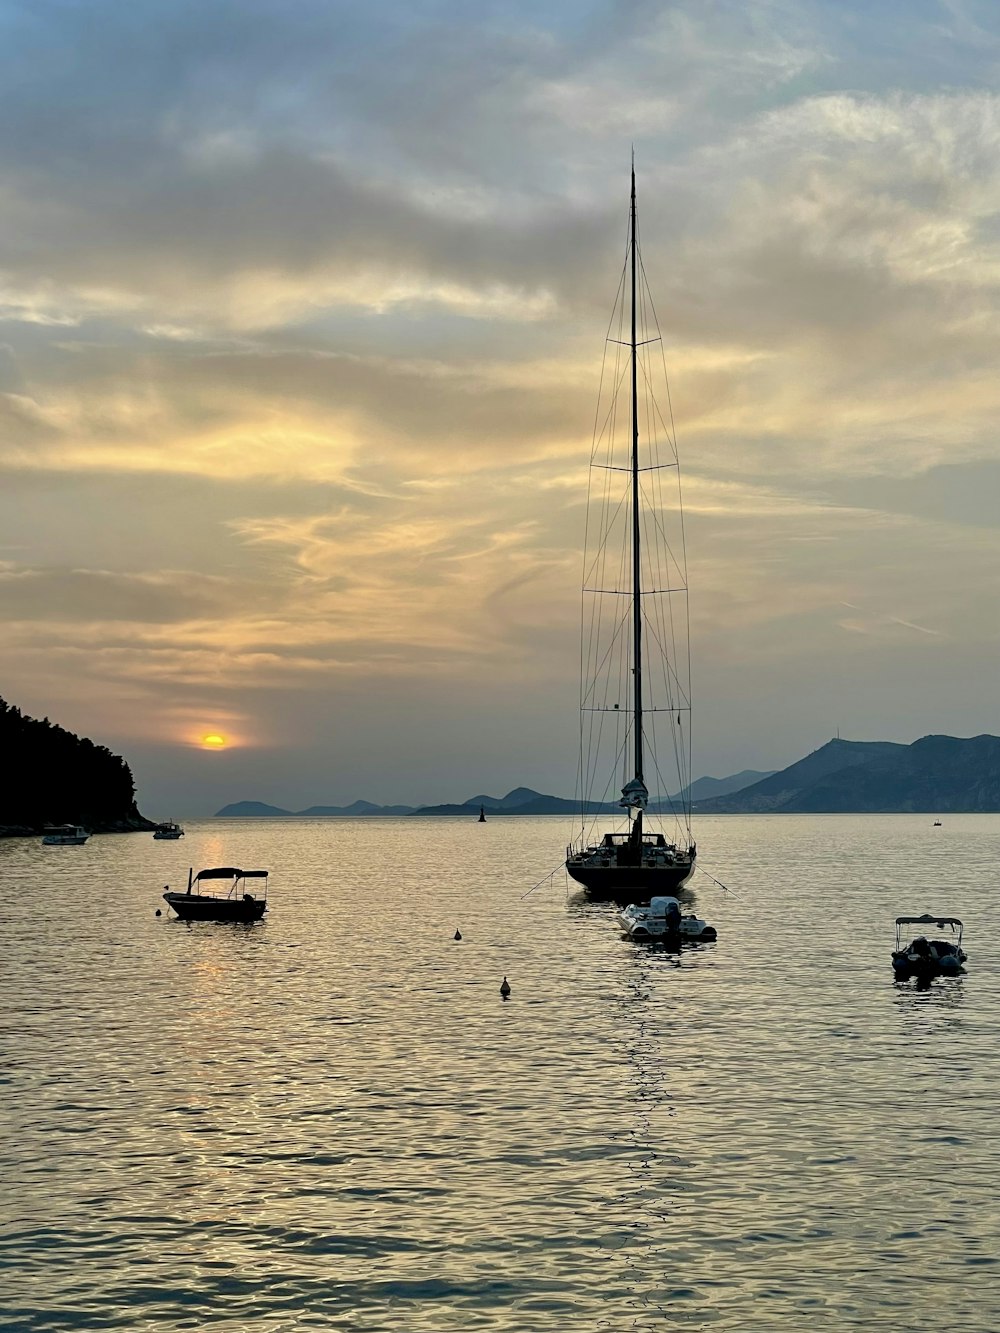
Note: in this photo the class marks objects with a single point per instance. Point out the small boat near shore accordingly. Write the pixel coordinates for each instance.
(661, 919)
(235, 904)
(64, 835)
(168, 832)
(926, 959)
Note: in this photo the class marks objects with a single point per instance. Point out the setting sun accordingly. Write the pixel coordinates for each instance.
(213, 741)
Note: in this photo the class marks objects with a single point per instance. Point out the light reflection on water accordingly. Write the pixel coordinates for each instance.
(332, 1119)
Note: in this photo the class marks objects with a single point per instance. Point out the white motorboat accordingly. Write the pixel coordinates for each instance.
(64, 835)
(661, 919)
(168, 832)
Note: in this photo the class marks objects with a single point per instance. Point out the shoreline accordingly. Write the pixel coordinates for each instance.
(132, 824)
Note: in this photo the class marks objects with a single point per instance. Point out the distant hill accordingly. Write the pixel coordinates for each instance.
(520, 801)
(702, 789)
(936, 774)
(777, 790)
(251, 810)
(357, 808)
(259, 810)
(56, 777)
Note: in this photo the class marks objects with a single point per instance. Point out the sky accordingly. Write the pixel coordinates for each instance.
(303, 307)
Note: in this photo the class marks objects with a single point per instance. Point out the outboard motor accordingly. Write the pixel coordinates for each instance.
(670, 910)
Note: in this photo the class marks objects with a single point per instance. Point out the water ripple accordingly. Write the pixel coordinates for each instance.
(331, 1120)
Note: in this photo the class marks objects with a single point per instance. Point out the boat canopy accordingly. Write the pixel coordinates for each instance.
(928, 919)
(230, 872)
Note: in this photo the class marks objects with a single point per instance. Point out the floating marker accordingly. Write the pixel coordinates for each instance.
(505, 988)
(458, 934)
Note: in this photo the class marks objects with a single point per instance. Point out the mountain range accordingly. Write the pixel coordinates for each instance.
(260, 810)
(936, 774)
(520, 801)
(524, 801)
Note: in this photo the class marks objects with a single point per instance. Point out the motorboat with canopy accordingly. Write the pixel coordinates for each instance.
(925, 958)
(236, 903)
(64, 835)
(169, 831)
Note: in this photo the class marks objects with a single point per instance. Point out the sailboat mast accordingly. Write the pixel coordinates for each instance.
(636, 568)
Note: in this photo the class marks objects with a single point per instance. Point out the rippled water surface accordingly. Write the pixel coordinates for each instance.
(332, 1120)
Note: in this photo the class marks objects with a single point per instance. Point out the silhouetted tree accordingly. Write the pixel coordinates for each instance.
(55, 777)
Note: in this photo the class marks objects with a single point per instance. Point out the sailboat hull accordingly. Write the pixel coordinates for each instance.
(630, 884)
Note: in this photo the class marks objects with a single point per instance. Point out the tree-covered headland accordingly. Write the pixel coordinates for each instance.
(54, 777)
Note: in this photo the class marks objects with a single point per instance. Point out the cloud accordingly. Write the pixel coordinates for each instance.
(88, 596)
(302, 311)
(252, 165)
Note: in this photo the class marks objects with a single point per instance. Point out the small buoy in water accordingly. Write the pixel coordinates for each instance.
(458, 934)
(158, 912)
(505, 988)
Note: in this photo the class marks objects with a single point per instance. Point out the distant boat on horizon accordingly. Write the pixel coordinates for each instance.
(635, 592)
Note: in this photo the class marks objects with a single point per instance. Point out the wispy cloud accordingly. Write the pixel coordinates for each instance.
(301, 314)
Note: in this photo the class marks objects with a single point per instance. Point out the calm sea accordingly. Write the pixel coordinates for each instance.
(332, 1120)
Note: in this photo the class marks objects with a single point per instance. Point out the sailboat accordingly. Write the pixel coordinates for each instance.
(635, 696)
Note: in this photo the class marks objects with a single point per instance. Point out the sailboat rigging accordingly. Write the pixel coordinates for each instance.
(634, 550)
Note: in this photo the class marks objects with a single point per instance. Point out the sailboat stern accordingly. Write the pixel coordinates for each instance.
(616, 868)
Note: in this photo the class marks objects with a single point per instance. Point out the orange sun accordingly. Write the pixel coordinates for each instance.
(213, 741)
